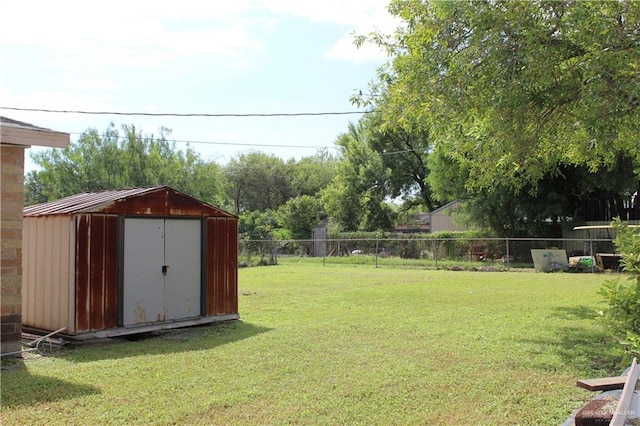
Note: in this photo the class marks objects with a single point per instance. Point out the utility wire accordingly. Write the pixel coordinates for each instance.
(168, 140)
(295, 114)
(259, 145)
(163, 114)
(123, 137)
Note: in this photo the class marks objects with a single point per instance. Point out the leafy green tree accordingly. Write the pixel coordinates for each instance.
(299, 215)
(357, 196)
(257, 182)
(342, 204)
(448, 175)
(404, 150)
(537, 209)
(120, 159)
(623, 311)
(34, 189)
(514, 90)
(311, 174)
(256, 225)
(258, 230)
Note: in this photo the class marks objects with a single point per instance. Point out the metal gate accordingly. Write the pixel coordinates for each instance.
(162, 270)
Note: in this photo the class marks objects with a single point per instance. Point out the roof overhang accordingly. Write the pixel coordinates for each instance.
(589, 227)
(14, 132)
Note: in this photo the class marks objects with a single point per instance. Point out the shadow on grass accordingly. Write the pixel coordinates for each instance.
(585, 345)
(576, 312)
(164, 342)
(19, 387)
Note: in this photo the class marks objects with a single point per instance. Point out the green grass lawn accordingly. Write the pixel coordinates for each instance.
(342, 344)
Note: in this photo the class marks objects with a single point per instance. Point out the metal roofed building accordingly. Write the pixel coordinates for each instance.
(127, 261)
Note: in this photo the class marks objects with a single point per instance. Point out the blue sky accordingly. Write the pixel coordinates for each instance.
(167, 56)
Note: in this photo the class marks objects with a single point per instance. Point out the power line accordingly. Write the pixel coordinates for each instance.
(166, 114)
(124, 138)
(297, 114)
(254, 144)
(260, 145)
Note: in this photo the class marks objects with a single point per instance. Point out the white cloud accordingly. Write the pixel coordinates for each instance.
(90, 85)
(55, 99)
(74, 36)
(144, 34)
(361, 17)
(344, 12)
(133, 58)
(229, 41)
(135, 33)
(345, 49)
(198, 10)
(58, 63)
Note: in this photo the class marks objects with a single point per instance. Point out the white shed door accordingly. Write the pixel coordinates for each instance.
(162, 273)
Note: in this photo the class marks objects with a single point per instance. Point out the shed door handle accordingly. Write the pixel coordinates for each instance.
(164, 269)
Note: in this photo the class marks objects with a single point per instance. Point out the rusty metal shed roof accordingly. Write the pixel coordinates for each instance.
(103, 201)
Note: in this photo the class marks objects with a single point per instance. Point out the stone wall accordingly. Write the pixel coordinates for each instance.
(11, 204)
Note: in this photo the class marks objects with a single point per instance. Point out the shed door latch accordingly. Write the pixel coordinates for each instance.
(164, 269)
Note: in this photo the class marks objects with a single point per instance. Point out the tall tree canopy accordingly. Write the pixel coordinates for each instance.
(311, 174)
(299, 215)
(356, 198)
(567, 193)
(257, 182)
(403, 149)
(121, 159)
(513, 90)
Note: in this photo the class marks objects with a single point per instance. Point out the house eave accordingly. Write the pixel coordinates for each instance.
(28, 137)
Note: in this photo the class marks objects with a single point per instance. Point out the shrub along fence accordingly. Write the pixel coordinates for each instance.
(505, 253)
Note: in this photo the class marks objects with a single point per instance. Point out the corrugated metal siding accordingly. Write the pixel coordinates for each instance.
(82, 273)
(47, 272)
(104, 272)
(96, 283)
(232, 264)
(221, 266)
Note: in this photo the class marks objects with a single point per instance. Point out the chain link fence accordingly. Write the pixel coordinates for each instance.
(499, 253)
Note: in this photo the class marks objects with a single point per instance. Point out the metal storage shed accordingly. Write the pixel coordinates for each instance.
(126, 261)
